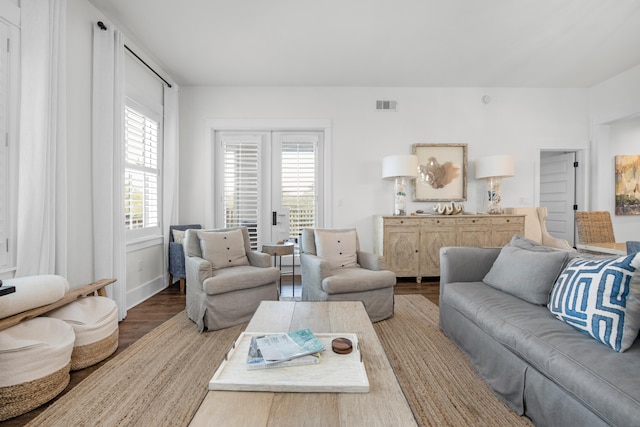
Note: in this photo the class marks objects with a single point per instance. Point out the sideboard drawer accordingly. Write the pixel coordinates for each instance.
(473, 221)
(514, 220)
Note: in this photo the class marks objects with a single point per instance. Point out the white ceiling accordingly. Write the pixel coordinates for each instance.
(454, 43)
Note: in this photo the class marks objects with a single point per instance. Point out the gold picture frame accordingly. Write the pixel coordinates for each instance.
(443, 173)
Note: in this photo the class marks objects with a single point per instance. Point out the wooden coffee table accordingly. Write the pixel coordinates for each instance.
(383, 405)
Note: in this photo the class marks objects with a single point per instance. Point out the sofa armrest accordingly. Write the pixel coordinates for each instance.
(259, 259)
(465, 264)
(370, 261)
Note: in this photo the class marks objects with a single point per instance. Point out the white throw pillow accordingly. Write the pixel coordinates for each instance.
(223, 248)
(339, 247)
(178, 236)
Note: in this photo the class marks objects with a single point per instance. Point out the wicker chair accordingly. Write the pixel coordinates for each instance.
(594, 227)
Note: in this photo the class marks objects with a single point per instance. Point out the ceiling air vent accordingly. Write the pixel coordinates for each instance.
(386, 105)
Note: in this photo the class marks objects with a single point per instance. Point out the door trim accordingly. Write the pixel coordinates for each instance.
(216, 125)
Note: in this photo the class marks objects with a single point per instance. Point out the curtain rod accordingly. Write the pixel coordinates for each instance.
(104, 28)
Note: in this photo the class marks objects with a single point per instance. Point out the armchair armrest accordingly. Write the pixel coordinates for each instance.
(197, 269)
(371, 261)
(315, 267)
(259, 259)
(554, 242)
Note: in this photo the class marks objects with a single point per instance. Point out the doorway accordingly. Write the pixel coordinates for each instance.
(560, 177)
(269, 181)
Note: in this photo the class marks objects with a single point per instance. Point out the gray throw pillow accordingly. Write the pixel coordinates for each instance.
(526, 270)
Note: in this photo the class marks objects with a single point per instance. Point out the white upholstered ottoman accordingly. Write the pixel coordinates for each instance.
(35, 358)
(32, 292)
(95, 322)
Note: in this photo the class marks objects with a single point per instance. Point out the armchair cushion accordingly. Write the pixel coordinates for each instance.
(223, 248)
(241, 277)
(338, 247)
(349, 280)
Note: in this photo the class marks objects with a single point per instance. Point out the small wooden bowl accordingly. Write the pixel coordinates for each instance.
(342, 346)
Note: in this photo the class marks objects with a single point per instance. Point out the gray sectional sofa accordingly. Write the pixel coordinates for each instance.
(538, 365)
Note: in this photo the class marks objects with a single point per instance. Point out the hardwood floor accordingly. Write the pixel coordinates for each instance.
(142, 318)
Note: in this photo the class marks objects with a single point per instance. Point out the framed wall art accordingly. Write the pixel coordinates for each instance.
(627, 185)
(443, 173)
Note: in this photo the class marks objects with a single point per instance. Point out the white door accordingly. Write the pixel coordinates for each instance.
(269, 182)
(558, 193)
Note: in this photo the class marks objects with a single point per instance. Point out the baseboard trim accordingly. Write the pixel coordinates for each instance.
(144, 292)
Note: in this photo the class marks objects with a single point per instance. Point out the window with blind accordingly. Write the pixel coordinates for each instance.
(4, 150)
(298, 185)
(141, 170)
(241, 193)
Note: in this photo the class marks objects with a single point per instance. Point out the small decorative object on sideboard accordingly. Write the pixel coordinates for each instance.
(448, 208)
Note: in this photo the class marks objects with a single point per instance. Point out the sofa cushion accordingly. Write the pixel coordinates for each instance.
(526, 270)
(223, 248)
(600, 298)
(338, 247)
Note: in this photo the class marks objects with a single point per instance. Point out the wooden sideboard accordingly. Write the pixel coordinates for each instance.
(411, 244)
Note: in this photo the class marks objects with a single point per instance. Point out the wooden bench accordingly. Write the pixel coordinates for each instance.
(74, 294)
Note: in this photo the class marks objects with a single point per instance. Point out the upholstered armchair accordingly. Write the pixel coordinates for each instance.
(535, 227)
(227, 280)
(335, 269)
(176, 253)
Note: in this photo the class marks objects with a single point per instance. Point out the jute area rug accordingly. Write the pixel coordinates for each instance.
(161, 379)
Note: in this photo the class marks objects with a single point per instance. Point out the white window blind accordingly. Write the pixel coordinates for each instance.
(141, 180)
(242, 186)
(299, 190)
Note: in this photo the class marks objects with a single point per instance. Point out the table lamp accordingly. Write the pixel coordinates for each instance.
(493, 169)
(400, 168)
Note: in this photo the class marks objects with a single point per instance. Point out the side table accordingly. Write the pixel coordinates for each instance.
(278, 250)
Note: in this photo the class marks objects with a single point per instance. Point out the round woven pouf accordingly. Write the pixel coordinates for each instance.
(95, 322)
(35, 357)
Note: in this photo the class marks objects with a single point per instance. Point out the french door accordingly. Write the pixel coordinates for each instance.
(269, 182)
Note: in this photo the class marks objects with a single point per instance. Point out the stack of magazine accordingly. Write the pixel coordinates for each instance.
(299, 347)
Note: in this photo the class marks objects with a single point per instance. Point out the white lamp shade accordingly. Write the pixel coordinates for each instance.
(400, 166)
(503, 166)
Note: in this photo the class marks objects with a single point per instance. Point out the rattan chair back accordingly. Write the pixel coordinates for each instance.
(594, 227)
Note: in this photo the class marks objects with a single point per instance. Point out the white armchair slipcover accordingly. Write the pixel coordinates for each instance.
(334, 269)
(227, 281)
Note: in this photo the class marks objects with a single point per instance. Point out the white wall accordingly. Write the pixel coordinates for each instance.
(518, 121)
(615, 108)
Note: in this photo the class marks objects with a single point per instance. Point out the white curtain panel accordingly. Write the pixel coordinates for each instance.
(170, 168)
(109, 244)
(42, 183)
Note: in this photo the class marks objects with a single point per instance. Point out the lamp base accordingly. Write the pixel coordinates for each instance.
(400, 197)
(493, 196)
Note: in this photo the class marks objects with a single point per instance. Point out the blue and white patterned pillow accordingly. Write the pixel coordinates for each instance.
(601, 298)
